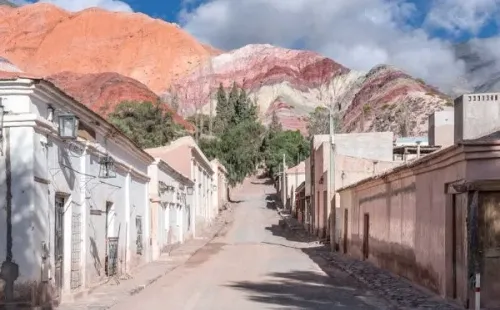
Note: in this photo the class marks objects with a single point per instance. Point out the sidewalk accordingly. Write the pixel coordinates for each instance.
(109, 294)
(399, 292)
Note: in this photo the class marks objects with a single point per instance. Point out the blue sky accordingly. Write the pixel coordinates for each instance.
(169, 10)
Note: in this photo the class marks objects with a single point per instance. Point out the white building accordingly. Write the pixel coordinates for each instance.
(185, 156)
(75, 203)
(219, 196)
(171, 195)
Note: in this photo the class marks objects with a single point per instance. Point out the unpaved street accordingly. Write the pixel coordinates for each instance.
(253, 264)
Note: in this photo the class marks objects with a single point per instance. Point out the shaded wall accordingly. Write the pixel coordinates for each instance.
(407, 216)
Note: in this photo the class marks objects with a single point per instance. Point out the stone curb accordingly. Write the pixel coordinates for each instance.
(151, 281)
(377, 289)
(350, 273)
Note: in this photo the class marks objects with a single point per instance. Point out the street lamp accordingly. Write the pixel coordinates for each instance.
(331, 185)
(68, 126)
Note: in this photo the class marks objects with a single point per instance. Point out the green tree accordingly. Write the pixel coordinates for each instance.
(291, 143)
(233, 98)
(319, 122)
(223, 110)
(146, 123)
(275, 125)
(201, 122)
(239, 150)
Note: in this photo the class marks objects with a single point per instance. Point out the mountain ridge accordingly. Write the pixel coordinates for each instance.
(45, 40)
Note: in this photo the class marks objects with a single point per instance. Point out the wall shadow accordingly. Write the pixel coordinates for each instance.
(305, 290)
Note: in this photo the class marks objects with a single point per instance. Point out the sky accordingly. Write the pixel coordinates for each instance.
(415, 35)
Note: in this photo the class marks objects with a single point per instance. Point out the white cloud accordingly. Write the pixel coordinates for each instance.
(78, 5)
(357, 33)
(456, 16)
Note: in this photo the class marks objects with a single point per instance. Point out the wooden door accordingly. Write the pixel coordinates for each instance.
(59, 246)
(489, 247)
(366, 236)
(346, 223)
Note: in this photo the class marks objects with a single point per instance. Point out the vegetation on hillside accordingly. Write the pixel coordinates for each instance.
(146, 123)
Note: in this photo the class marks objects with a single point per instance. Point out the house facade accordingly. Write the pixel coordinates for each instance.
(434, 221)
(220, 194)
(171, 198)
(76, 195)
(372, 146)
(294, 176)
(185, 156)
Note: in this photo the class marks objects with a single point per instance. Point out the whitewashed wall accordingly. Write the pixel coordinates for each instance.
(42, 166)
(171, 211)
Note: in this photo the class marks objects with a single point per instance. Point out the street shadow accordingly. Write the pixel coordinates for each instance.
(265, 182)
(272, 200)
(305, 290)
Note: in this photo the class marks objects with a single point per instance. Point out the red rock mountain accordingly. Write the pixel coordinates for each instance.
(102, 92)
(45, 40)
(293, 83)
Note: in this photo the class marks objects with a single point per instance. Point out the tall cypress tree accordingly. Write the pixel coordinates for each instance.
(241, 107)
(234, 95)
(222, 110)
(275, 123)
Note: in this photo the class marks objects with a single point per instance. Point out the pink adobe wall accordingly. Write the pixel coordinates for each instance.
(320, 171)
(408, 215)
(180, 159)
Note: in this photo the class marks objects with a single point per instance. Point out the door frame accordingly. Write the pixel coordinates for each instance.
(61, 203)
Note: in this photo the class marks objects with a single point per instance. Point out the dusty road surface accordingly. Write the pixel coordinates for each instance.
(254, 264)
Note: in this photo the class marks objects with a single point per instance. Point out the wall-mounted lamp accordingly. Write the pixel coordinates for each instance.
(2, 113)
(107, 167)
(50, 113)
(343, 175)
(68, 126)
(190, 190)
(214, 187)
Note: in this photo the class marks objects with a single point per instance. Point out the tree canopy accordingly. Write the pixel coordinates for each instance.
(242, 143)
(146, 123)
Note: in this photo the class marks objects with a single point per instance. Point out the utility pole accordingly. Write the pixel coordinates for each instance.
(284, 181)
(331, 184)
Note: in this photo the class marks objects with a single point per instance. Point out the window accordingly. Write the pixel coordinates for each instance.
(138, 242)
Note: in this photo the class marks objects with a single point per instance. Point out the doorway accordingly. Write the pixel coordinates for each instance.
(59, 245)
(346, 223)
(110, 261)
(489, 248)
(366, 236)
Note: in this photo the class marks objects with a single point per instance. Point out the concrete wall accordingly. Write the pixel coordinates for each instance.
(476, 115)
(441, 128)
